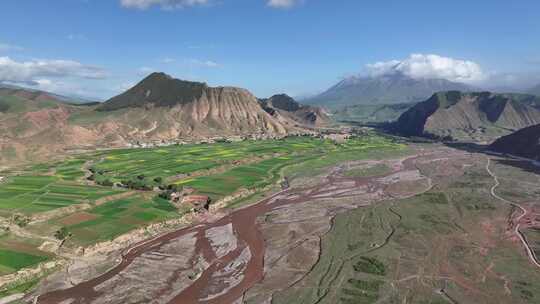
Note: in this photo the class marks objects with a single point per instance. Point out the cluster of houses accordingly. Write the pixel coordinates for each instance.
(333, 134)
(198, 203)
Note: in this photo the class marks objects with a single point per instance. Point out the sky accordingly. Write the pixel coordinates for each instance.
(98, 48)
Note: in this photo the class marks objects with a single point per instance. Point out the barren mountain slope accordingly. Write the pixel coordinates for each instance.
(159, 108)
(285, 108)
(470, 116)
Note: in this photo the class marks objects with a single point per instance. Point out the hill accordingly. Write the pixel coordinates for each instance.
(158, 109)
(165, 108)
(470, 116)
(38, 95)
(524, 143)
(285, 108)
(387, 89)
(372, 113)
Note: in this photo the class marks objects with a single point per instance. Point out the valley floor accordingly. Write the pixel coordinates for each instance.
(429, 224)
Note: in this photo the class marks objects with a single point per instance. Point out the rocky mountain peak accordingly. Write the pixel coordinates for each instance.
(158, 89)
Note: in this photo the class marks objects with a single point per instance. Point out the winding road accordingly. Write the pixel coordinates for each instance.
(530, 252)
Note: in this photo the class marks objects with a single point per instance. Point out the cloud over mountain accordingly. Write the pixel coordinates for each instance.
(30, 71)
(422, 66)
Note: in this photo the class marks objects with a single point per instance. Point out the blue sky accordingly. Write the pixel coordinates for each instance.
(97, 48)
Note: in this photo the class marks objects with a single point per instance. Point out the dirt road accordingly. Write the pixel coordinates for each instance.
(523, 211)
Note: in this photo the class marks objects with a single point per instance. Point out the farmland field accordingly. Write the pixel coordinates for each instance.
(30, 194)
(114, 218)
(240, 165)
(415, 224)
(17, 253)
(12, 260)
(175, 160)
(217, 170)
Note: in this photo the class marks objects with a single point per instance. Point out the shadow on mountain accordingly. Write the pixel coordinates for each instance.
(524, 165)
(507, 160)
(503, 159)
(468, 147)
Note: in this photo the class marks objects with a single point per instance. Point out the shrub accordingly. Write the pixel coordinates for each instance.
(62, 233)
(370, 265)
(21, 220)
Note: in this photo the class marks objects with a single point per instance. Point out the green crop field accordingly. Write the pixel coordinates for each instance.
(13, 261)
(112, 219)
(70, 170)
(29, 194)
(175, 160)
(243, 165)
(17, 253)
(247, 176)
(172, 161)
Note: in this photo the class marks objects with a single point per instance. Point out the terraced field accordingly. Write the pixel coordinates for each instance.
(17, 253)
(115, 218)
(176, 160)
(268, 158)
(30, 194)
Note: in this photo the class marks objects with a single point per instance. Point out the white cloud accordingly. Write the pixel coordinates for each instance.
(31, 71)
(58, 87)
(283, 3)
(203, 63)
(4, 47)
(146, 70)
(430, 66)
(165, 4)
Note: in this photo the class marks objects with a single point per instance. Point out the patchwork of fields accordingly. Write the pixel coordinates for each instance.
(241, 165)
(30, 194)
(17, 253)
(177, 160)
(115, 218)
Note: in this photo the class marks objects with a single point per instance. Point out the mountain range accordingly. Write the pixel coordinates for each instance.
(158, 109)
(285, 108)
(385, 89)
(371, 113)
(480, 117)
(31, 94)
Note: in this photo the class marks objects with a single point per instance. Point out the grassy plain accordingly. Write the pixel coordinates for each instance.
(376, 170)
(452, 239)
